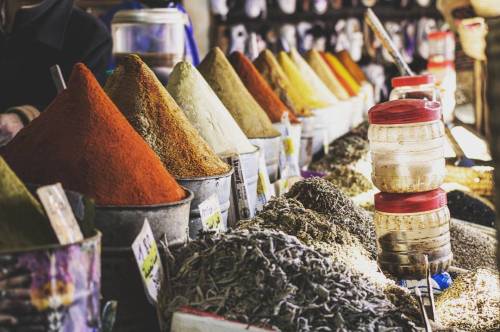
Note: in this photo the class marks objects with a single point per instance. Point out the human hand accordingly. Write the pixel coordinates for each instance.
(10, 125)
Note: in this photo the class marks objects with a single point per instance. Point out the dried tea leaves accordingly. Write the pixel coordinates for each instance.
(471, 207)
(221, 76)
(270, 279)
(158, 119)
(351, 182)
(321, 196)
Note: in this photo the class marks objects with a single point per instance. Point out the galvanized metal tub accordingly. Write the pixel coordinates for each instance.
(56, 279)
(250, 168)
(306, 141)
(203, 188)
(120, 225)
(271, 147)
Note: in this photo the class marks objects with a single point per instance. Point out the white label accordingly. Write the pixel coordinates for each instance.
(241, 190)
(211, 215)
(263, 183)
(288, 165)
(60, 215)
(149, 263)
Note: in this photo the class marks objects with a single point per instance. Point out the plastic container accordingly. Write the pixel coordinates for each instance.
(446, 80)
(156, 35)
(414, 87)
(410, 226)
(441, 46)
(407, 146)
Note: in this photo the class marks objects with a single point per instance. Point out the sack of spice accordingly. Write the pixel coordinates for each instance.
(154, 114)
(260, 89)
(83, 141)
(321, 68)
(225, 82)
(206, 112)
(271, 70)
(23, 223)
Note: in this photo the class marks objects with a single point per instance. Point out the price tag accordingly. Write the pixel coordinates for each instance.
(263, 183)
(60, 215)
(240, 190)
(149, 263)
(211, 215)
(288, 164)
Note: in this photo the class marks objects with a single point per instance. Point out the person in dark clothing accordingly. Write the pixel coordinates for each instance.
(38, 35)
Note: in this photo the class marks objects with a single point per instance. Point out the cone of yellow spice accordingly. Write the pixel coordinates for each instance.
(307, 92)
(271, 70)
(226, 84)
(342, 74)
(324, 72)
(155, 115)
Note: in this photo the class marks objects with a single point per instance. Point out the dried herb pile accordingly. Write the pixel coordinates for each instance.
(470, 207)
(268, 278)
(472, 248)
(472, 303)
(348, 180)
(321, 196)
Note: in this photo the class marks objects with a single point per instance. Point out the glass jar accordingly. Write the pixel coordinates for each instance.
(156, 35)
(414, 87)
(441, 46)
(410, 226)
(407, 146)
(446, 80)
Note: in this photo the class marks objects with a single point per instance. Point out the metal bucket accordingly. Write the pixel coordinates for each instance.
(306, 141)
(120, 225)
(203, 188)
(250, 168)
(271, 147)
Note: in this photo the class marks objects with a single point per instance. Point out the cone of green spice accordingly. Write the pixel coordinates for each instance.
(225, 82)
(154, 114)
(23, 223)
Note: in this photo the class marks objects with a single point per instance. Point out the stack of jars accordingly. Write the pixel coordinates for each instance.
(411, 216)
(441, 64)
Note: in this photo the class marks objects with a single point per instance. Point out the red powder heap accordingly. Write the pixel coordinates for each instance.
(83, 141)
(260, 89)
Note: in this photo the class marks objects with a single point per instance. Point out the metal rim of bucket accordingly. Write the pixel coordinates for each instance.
(96, 236)
(211, 177)
(189, 198)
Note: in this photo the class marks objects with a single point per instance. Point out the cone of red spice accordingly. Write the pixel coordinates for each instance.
(83, 141)
(260, 89)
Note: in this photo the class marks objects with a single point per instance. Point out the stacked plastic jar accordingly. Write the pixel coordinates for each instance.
(411, 218)
(414, 87)
(441, 46)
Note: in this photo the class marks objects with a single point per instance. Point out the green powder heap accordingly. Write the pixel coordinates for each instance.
(23, 223)
(221, 76)
(154, 114)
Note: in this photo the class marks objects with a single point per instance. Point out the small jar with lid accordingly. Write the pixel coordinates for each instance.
(441, 46)
(446, 81)
(407, 145)
(408, 228)
(414, 87)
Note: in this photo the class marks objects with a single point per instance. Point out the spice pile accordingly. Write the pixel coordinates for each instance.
(225, 82)
(472, 303)
(158, 119)
(22, 219)
(321, 196)
(321, 68)
(472, 248)
(83, 141)
(268, 278)
(351, 182)
(472, 208)
(206, 112)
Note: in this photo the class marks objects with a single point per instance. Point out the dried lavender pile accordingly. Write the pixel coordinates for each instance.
(268, 278)
(348, 180)
(472, 303)
(321, 196)
(471, 248)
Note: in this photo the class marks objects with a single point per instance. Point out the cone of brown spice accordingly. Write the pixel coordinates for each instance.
(260, 89)
(158, 119)
(222, 78)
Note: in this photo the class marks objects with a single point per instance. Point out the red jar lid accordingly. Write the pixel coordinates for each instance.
(412, 80)
(440, 64)
(410, 203)
(440, 35)
(405, 111)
